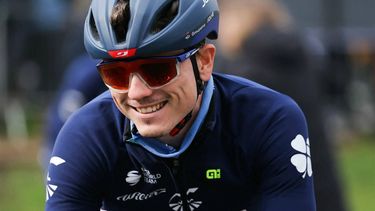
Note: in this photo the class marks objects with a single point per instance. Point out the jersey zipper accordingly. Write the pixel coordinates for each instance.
(178, 174)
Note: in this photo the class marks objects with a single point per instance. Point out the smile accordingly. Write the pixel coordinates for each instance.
(151, 109)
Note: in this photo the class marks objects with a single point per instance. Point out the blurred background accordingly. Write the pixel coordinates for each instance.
(322, 53)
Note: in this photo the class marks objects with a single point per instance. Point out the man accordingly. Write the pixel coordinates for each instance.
(170, 134)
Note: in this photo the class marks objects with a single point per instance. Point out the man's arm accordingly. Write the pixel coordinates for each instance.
(286, 181)
(74, 180)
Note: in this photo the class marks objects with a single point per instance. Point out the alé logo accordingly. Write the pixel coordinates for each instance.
(302, 160)
(213, 174)
(50, 188)
(176, 203)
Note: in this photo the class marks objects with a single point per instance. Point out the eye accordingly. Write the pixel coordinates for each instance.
(158, 74)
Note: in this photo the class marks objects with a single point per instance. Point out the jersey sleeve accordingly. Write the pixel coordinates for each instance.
(284, 161)
(78, 167)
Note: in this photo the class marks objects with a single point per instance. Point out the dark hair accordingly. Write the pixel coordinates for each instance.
(121, 15)
(165, 16)
(120, 19)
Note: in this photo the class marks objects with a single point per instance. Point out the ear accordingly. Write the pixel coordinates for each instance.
(205, 60)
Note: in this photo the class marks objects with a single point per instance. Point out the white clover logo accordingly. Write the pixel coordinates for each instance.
(302, 160)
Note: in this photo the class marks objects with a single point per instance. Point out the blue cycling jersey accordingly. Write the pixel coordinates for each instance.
(251, 152)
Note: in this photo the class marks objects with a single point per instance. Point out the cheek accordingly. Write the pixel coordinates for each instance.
(187, 84)
(187, 75)
(188, 92)
(119, 100)
(116, 98)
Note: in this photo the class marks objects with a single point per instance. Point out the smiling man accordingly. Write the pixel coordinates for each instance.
(170, 134)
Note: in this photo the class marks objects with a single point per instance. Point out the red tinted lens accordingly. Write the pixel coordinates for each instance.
(116, 75)
(158, 72)
(155, 72)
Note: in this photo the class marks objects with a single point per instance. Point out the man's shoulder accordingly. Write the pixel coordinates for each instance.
(239, 90)
(98, 105)
(96, 121)
(246, 105)
(96, 113)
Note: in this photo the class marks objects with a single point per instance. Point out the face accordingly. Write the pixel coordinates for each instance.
(156, 112)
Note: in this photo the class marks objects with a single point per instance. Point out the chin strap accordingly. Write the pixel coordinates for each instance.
(200, 87)
(181, 124)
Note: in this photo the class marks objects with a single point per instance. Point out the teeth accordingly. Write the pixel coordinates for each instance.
(150, 109)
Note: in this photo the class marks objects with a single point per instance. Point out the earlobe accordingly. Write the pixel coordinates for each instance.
(206, 57)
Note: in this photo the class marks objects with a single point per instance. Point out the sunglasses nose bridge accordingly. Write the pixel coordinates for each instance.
(138, 88)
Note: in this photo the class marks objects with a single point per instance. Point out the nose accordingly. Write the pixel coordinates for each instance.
(137, 88)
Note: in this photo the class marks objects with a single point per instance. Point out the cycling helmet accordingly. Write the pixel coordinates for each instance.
(143, 36)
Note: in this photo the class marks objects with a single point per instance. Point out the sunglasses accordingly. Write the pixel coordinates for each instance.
(155, 72)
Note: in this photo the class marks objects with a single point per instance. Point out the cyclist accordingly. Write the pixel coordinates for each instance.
(170, 134)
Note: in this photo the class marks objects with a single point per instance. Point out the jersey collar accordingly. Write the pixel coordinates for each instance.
(161, 149)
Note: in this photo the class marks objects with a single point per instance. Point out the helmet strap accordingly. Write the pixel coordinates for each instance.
(181, 124)
(200, 87)
(198, 80)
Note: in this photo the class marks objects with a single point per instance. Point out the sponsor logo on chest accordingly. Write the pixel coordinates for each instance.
(133, 177)
(139, 196)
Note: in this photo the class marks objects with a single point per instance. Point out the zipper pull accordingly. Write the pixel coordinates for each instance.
(176, 166)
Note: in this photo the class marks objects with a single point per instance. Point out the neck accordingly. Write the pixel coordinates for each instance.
(176, 140)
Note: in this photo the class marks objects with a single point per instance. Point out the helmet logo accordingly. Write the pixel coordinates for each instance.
(205, 2)
(122, 53)
(189, 35)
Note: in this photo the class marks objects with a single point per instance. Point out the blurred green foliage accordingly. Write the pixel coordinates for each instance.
(22, 188)
(357, 164)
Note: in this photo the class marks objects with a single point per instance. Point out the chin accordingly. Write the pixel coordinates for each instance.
(151, 132)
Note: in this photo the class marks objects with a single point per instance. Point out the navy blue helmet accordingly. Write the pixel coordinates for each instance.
(191, 22)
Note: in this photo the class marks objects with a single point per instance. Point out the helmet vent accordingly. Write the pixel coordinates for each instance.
(120, 19)
(165, 16)
(93, 28)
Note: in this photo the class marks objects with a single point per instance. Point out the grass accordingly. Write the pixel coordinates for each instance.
(357, 163)
(21, 179)
(22, 187)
